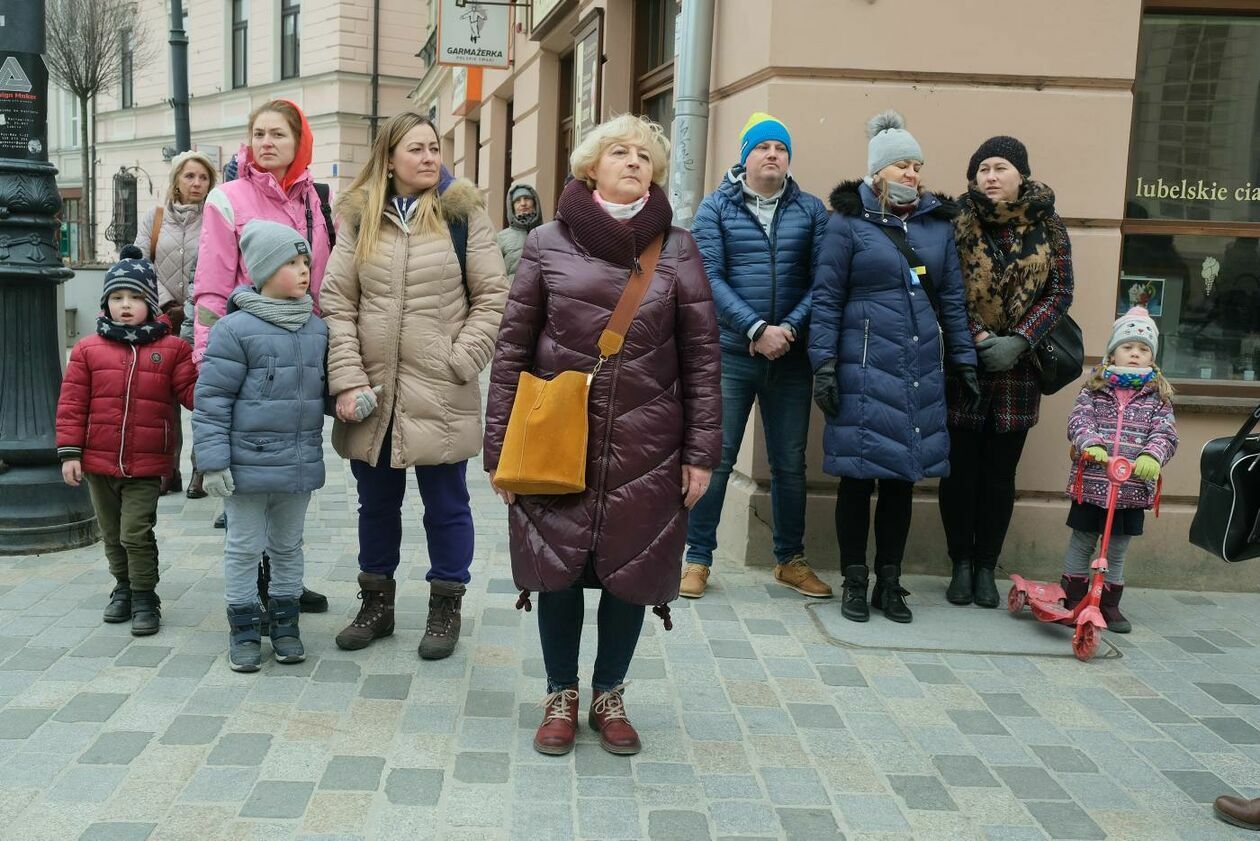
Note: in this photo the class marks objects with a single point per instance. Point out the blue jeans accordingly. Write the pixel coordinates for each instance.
(783, 389)
(268, 521)
(560, 615)
(448, 522)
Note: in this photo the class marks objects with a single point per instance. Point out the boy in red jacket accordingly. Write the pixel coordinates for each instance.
(114, 429)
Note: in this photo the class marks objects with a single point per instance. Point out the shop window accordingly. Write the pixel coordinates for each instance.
(1191, 250)
(290, 39)
(655, 25)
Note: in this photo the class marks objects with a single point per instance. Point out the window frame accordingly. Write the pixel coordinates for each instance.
(290, 44)
(127, 77)
(239, 30)
(651, 82)
(1188, 386)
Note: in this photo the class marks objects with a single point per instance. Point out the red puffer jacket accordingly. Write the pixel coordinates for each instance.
(117, 401)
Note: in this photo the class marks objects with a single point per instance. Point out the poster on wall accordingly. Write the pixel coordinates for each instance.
(23, 107)
(1137, 291)
(472, 34)
(588, 64)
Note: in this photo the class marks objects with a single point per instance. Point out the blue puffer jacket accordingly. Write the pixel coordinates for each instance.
(880, 328)
(260, 404)
(755, 276)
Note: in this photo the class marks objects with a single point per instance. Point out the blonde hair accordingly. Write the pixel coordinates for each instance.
(374, 183)
(1097, 381)
(627, 128)
(177, 168)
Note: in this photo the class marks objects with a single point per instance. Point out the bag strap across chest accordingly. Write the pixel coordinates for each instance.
(154, 231)
(614, 335)
(917, 264)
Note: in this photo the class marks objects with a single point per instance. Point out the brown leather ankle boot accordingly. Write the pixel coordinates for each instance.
(558, 730)
(376, 614)
(608, 718)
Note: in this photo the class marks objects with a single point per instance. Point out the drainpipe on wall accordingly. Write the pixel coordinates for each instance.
(376, 67)
(691, 110)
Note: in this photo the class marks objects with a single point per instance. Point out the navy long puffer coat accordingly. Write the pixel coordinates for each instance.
(879, 326)
(758, 276)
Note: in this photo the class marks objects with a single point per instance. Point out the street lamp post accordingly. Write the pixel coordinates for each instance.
(38, 512)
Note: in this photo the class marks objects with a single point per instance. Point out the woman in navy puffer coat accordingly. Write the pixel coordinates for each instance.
(880, 350)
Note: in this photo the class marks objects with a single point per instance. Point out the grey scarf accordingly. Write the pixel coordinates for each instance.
(287, 313)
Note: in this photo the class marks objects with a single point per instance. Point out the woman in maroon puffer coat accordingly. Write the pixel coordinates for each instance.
(655, 417)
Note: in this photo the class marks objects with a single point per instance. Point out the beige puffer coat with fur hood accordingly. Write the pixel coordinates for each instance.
(403, 321)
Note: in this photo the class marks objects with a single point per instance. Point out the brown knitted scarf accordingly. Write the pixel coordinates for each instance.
(1002, 284)
(605, 237)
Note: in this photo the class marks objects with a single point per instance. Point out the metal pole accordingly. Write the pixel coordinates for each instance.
(179, 77)
(691, 110)
(376, 67)
(38, 511)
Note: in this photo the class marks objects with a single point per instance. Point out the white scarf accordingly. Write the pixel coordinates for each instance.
(622, 212)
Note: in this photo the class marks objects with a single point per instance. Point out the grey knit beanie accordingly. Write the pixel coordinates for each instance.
(266, 246)
(889, 142)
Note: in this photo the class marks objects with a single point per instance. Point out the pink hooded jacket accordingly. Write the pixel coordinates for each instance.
(255, 194)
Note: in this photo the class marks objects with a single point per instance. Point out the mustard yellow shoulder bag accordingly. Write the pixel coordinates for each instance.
(544, 448)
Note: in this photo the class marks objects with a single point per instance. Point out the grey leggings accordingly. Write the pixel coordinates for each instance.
(1080, 554)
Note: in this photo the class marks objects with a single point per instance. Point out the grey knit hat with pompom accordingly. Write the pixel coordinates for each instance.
(890, 142)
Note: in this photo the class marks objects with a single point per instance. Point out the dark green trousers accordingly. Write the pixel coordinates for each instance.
(126, 510)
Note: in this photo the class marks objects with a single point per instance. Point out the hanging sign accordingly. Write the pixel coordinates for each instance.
(23, 107)
(472, 34)
(588, 62)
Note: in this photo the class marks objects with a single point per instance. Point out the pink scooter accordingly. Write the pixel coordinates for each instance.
(1046, 600)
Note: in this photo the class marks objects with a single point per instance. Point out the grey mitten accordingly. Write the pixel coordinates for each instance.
(1000, 353)
(365, 403)
(218, 483)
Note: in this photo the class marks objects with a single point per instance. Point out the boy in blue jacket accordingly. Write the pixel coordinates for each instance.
(258, 435)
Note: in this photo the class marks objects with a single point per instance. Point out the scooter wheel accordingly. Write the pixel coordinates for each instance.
(1016, 599)
(1085, 641)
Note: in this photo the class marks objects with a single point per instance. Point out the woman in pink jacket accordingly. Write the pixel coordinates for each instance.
(273, 183)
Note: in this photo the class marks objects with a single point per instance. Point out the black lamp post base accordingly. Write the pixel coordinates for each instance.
(41, 513)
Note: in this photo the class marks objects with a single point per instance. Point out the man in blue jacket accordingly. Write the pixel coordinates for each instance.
(759, 235)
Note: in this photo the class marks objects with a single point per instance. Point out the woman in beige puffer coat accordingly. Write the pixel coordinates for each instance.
(409, 333)
(174, 260)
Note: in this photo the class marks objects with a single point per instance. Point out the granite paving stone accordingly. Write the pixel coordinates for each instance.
(754, 723)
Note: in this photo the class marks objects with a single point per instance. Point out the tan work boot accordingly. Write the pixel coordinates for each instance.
(695, 579)
(797, 575)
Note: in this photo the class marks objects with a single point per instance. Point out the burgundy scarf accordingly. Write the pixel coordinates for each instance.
(603, 236)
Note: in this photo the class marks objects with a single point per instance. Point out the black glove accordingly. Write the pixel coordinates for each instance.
(826, 392)
(1000, 353)
(970, 384)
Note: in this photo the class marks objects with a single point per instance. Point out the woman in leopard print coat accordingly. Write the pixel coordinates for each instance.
(1017, 274)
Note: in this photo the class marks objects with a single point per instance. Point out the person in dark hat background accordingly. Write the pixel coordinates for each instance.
(1017, 274)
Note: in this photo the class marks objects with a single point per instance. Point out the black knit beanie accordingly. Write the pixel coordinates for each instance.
(1000, 147)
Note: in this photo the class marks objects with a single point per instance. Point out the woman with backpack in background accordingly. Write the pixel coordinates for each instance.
(168, 236)
(413, 296)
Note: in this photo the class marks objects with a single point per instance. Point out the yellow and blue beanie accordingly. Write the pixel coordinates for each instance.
(760, 128)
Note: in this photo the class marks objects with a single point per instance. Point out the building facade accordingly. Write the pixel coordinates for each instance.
(1143, 116)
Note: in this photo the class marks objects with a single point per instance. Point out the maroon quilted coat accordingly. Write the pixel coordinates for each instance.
(655, 406)
(117, 402)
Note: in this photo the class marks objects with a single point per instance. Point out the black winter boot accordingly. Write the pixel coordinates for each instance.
(1074, 588)
(889, 596)
(441, 629)
(1109, 604)
(960, 586)
(983, 588)
(119, 607)
(146, 613)
(286, 642)
(853, 595)
(244, 639)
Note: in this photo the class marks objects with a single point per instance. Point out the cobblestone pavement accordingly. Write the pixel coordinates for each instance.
(754, 724)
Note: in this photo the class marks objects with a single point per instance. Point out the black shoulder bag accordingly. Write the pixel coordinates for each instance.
(1227, 518)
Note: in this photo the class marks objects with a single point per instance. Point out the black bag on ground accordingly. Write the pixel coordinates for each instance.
(1227, 520)
(1060, 355)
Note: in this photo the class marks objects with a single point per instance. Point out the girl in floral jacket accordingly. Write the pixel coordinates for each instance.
(1124, 408)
